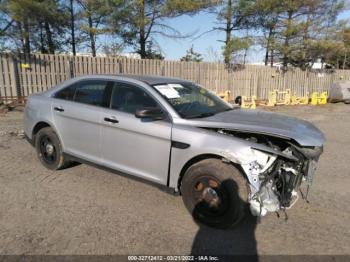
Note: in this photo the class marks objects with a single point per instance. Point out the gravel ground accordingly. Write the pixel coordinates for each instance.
(85, 210)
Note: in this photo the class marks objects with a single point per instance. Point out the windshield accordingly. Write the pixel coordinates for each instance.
(192, 101)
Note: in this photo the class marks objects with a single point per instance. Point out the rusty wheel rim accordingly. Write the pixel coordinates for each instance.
(209, 198)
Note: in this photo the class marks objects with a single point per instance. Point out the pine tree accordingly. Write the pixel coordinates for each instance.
(234, 15)
(35, 25)
(144, 19)
(295, 30)
(191, 56)
(94, 21)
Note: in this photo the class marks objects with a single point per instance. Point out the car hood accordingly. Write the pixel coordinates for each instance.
(303, 132)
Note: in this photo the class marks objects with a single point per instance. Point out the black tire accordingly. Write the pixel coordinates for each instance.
(215, 193)
(238, 100)
(49, 149)
(347, 102)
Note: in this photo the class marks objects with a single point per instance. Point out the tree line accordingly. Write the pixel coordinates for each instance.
(291, 32)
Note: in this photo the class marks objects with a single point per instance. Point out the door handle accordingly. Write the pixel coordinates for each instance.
(59, 109)
(111, 120)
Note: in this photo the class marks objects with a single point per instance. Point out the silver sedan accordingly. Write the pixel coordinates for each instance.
(223, 160)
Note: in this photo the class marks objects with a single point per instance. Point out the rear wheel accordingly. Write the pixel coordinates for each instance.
(215, 193)
(49, 149)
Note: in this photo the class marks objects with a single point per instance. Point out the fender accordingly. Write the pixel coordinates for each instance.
(201, 142)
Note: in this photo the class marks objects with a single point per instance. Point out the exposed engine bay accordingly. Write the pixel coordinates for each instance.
(275, 177)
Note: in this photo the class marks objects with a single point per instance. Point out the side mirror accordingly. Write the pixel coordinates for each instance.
(153, 113)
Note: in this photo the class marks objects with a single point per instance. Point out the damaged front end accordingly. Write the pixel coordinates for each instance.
(275, 168)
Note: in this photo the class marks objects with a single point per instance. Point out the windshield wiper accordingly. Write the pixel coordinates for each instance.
(201, 115)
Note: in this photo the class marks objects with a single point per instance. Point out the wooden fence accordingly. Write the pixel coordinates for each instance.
(21, 76)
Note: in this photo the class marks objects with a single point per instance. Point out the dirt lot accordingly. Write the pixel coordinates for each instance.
(84, 210)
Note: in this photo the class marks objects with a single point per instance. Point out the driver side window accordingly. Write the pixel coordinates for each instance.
(129, 98)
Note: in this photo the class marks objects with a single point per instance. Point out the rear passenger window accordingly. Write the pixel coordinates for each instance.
(128, 98)
(92, 93)
(66, 93)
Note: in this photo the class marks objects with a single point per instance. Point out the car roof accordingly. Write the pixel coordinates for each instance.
(154, 80)
(148, 79)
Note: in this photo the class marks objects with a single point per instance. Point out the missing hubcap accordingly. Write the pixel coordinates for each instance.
(211, 197)
(49, 149)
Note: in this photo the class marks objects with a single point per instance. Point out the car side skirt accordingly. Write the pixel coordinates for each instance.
(163, 188)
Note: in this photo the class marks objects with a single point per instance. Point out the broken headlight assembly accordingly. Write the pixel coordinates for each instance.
(274, 180)
(276, 173)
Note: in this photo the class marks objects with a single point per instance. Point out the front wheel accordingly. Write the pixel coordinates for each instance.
(49, 149)
(215, 193)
